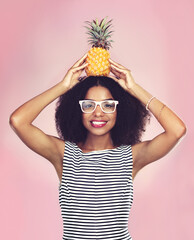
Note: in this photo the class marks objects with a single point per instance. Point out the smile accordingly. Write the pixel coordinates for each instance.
(98, 124)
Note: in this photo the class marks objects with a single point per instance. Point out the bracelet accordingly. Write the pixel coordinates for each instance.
(148, 103)
(161, 111)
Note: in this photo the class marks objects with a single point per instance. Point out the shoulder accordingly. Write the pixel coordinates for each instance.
(127, 148)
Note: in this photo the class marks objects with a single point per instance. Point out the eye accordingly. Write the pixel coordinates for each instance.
(88, 105)
(109, 104)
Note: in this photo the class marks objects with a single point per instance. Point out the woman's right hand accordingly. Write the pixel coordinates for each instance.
(73, 74)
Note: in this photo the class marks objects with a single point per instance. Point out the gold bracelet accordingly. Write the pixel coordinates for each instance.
(148, 103)
(161, 111)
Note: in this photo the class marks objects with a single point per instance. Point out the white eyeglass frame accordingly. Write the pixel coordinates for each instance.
(98, 103)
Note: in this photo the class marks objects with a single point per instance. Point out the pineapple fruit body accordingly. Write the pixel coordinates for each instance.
(98, 62)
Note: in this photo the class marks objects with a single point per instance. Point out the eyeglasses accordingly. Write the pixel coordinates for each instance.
(89, 106)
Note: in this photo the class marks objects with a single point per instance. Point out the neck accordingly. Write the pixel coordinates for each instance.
(94, 143)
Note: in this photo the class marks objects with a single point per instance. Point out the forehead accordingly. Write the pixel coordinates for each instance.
(98, 93)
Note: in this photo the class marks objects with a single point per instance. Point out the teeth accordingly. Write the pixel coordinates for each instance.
(98, 123)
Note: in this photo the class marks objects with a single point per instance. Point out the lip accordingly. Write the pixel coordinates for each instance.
(98, 123)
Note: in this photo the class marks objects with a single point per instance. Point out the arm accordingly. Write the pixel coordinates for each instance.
(21, 119)
(174, 128)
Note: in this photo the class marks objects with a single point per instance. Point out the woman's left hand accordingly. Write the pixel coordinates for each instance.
(122, 75)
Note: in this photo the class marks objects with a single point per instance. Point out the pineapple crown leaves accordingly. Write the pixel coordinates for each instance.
(99, 33)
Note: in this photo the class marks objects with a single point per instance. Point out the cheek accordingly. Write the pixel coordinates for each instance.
(113, 119)
(85, 119)
(115, 116)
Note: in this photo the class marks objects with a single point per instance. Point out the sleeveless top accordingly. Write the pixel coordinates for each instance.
(96, 193)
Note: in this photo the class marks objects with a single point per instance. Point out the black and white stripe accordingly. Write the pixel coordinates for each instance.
(96, 193)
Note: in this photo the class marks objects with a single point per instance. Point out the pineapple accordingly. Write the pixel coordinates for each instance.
(98, 56)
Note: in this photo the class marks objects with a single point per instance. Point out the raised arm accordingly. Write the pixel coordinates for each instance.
(21, 119)
(174, 128)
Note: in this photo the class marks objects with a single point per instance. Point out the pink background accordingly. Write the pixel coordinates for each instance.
(39, 41)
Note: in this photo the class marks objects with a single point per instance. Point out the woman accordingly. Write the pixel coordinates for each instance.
(100, 121)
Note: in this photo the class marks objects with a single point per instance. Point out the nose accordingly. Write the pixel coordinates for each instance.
(98, 111)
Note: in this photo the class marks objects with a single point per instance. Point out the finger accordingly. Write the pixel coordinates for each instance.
(116, 64)
(115, 72)
(75, 69)
(80, 79)
(116, 68)
(80, 61)
(121, 71)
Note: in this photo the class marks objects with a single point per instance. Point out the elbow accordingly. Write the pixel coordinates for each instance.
(13, 121)
(181, 131)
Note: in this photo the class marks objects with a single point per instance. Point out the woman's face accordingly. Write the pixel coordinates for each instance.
(99, 123)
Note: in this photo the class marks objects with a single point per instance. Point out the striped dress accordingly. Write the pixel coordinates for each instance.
(96, 193)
